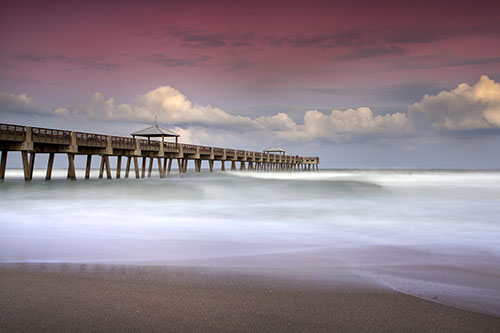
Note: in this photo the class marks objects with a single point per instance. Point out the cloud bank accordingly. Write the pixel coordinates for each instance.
(173, 108)
(464, 108)
(21, 103)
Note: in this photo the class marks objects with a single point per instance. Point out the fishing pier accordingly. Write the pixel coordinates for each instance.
(31, 141)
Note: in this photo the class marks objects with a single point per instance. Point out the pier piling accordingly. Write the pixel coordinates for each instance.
(136, 166)
(71, 167)
(3, 164)
(143, 173)
(127, 167)
(118, 166)
(50, 164)
(88, 166)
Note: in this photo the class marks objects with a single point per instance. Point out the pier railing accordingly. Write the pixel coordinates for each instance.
(17, 133)
(13, 132)
(121, 142)
(91, 140)
(48, 135)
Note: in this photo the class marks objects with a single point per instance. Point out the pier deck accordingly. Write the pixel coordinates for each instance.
(35, 140)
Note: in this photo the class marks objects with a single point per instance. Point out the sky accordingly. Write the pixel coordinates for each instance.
(361, 84)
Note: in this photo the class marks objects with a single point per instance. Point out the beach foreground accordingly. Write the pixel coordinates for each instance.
(62, 297)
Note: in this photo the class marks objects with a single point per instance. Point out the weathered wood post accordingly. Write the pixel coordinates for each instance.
(71, 167)
(169, 165)
(143, 173)
(101, 168)
(32, 164)
(88, 166)
(136, 166)
(118, 166)
(26, 165)
(223, 160)
(150, 169)
(50, 164)
(108, 167)
(179, 165)
(3, 164)
(127, 168)
(160, 168)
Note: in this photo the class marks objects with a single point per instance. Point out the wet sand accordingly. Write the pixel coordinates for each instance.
(60, 297)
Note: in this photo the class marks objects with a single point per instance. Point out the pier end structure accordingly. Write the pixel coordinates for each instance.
(31, 141)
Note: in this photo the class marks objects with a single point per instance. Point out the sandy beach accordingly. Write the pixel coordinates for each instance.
(63, 297)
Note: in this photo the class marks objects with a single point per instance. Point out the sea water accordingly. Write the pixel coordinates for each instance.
(434, 234)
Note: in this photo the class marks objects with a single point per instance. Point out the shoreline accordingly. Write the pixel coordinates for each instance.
(48, 297)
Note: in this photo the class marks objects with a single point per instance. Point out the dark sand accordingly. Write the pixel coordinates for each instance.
(60, 297)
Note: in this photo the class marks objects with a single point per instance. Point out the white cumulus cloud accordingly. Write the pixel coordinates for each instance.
(166, 103)
(174, 108)
(342, 126)
(198, 121)
(463, 108)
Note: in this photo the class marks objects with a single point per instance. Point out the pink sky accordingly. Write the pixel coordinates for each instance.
(230, 53)
(251, 59)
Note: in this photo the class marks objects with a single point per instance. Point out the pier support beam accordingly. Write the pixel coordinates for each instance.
(223, 166)
(242, 166)
(101, 168)
(26, 165)
(150, 169)
(233, 165)
(136, 166)
(3, 164)
(197, 165)
(88, 166)
(118, 166)
(32, 164)
(105, 163)
(169, 165)
(108, 167)
(71, 167)
(211, 165)
(50, 164)
(185, 165)
(179, 165)
(161, 170)
(127, 168)
(143, 173)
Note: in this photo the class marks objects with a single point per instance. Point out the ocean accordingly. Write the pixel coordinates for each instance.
(430, 233)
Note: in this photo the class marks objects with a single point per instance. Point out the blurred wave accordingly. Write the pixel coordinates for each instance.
(427, 233)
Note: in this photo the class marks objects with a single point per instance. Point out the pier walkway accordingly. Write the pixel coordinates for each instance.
(31, 141)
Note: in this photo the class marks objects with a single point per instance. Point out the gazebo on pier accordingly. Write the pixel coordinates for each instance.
(156, 131)
(275, 149)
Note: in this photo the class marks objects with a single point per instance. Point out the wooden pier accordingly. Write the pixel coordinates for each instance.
(31, 141)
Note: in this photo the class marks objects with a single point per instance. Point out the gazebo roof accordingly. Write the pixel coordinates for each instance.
(274, 149)
(155, 131)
